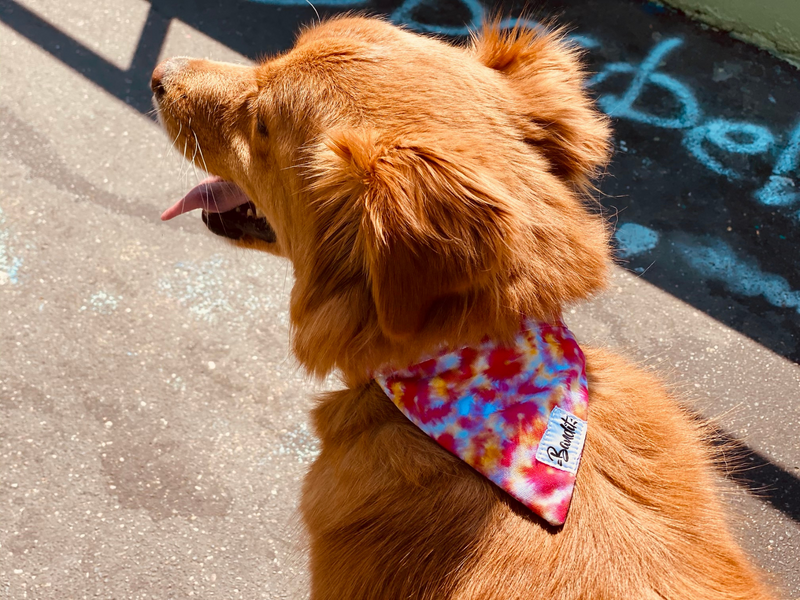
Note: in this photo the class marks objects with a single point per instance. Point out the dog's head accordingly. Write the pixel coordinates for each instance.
(424, 193)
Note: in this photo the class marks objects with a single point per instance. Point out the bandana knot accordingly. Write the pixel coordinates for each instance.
(516, 414)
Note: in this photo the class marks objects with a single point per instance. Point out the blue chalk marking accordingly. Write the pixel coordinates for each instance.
(788, 160)
(298, 444)
(622, 106)
(13, 270)
(780, 189)
(206, 291)
(719, 132)
(339, 3)
(586, 41)
(404, 15)
(716, 260)
(726, 135)
(9, 264)
(521, 22)
(102, 302)
(634, 239)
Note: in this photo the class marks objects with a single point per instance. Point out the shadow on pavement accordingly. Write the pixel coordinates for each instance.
(762, 478)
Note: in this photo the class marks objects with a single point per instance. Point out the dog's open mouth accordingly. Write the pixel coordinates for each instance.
(227, 210)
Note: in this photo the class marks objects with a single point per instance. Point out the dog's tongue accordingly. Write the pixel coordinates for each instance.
(212, 195)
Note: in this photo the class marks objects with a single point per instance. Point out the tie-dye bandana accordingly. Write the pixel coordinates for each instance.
(516, 414)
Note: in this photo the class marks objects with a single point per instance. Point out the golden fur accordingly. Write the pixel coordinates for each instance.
(428, 194)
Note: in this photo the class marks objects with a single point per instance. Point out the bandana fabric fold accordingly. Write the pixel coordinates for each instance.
(516, 414)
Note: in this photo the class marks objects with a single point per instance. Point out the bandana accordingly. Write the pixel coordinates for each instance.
(516, 414)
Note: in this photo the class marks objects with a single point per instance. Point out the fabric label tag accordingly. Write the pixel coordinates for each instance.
(562, 442)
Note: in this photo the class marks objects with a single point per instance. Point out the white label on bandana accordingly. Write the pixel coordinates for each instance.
(562, 443)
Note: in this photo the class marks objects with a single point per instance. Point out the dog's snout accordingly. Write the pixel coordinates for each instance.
(157, 81)
(163, 72)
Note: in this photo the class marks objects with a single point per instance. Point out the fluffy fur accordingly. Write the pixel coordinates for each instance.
(428, 194)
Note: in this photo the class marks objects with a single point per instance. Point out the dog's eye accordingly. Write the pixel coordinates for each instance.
(261, 128)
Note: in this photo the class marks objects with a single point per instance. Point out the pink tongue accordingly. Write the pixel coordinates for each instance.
(212, 194)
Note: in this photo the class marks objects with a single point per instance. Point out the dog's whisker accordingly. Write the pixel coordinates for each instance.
(211, 187)
(171, 147)
(640, 275)
(177, 136)
(185, 169)
(319, 19)
(194, 156)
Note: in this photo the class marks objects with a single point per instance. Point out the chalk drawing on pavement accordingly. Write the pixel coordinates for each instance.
(313, 3)
(101, 302)
(211, 292)
(781, 190)
(757, 139)
(9, 264)
(714, 260)
(644, 74)
(733, 137)
(297, 444)
(717, 261)
(634, 239)
(405, 15)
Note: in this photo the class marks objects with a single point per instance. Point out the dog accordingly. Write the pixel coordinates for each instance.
(431, 196)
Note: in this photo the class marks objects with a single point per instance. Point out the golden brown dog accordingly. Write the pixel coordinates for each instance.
(429, 195)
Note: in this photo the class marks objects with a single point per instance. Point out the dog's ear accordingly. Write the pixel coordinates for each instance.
(553, 110)
(427, 226)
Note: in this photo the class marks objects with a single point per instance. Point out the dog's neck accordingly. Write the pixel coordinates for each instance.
(370, 350)
(516, 412)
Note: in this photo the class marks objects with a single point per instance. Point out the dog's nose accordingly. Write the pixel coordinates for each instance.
(156, 81)
(162, 73)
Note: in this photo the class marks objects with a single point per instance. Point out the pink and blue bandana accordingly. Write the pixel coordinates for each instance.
(516, 414)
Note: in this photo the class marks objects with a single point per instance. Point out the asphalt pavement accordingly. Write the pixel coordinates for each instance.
(153, 424)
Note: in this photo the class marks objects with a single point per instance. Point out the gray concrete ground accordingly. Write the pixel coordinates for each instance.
(153, 426)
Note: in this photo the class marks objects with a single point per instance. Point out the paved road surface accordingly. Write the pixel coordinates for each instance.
(154, 432)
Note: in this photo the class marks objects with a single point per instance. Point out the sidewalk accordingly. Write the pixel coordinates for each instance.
(153, 426)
